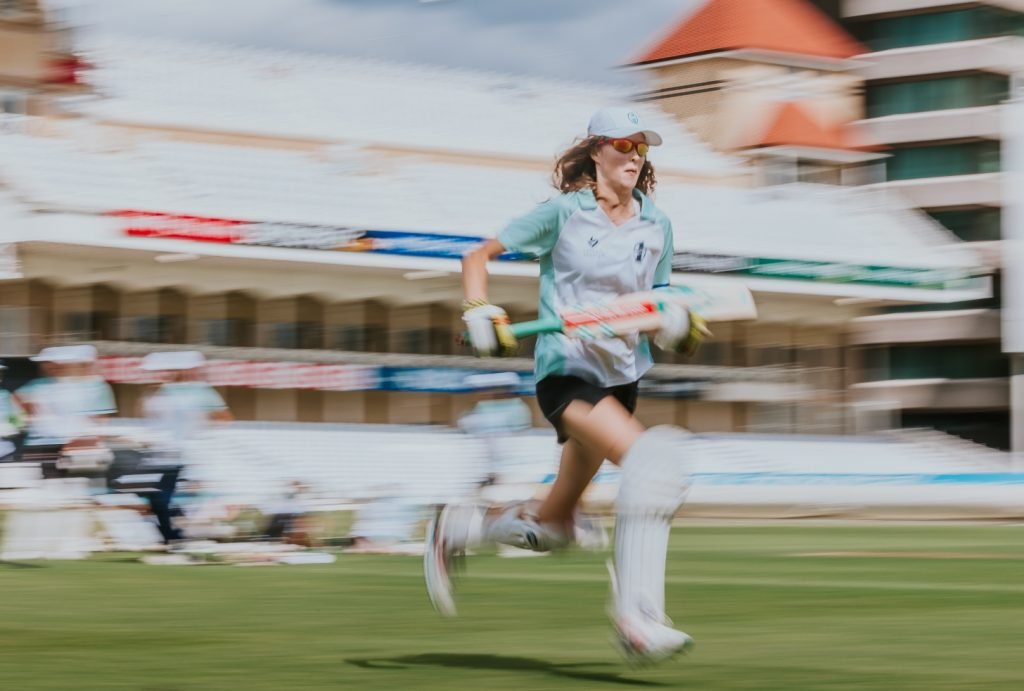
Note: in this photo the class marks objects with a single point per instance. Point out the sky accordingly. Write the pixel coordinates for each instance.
(574, 39)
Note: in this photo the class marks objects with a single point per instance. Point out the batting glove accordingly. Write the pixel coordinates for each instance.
(489, 330)
(682, 330)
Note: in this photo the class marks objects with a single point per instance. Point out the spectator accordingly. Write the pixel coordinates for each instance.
(66, 410)
(179, 410)
(498, 416)
(177, 413)
(11, 422)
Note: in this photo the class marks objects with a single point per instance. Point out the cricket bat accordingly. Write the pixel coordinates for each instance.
(642, 312)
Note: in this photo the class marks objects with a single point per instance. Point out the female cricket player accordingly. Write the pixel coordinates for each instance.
(600, 239)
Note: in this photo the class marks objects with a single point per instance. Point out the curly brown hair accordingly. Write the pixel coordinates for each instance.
(575, 169)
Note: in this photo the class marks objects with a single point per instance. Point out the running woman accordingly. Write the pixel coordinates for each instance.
(601, 238)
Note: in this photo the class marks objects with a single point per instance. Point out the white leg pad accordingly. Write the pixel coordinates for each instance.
(655, 482)
(656, 473)
(518, 528)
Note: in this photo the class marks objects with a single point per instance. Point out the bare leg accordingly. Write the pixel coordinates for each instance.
(607, 428)
(575, 471)
(596, 432)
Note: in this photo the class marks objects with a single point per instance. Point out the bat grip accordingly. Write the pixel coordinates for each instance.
(524, 329)
(537, 326)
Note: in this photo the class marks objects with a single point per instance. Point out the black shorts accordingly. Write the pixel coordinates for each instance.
(555, 392)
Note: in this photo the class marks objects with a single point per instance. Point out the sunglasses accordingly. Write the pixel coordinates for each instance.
(625, 146)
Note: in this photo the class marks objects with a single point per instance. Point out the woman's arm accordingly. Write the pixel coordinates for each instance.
(474, 270)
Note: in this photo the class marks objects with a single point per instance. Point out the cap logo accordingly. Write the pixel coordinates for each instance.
(633, 118)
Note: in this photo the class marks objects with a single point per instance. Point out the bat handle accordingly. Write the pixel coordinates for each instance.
(523, 329)
(537, 326)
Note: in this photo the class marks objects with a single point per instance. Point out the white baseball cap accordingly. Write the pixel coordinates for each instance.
(618, 122)
(66, 354)
(48, 354)
(82, 353)
(179, 360)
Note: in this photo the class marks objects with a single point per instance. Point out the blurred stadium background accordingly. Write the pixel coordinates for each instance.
(299, 218)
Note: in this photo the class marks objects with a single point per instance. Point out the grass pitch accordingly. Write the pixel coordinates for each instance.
(789, 607)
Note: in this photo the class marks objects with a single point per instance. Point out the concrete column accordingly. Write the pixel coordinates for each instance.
(1013, 257)
(1017, 410)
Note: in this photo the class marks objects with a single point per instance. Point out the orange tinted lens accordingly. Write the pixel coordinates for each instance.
(623, 146)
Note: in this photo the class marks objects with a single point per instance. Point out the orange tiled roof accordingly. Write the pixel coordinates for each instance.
(792, 125)
(787, 26)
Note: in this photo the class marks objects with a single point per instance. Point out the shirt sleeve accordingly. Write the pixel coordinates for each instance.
(103, 399)
(534, 233)
(663, 271)
(27, 390)
(212, 401)
(524, 420)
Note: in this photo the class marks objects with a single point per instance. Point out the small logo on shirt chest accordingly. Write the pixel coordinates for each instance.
(593, 241)
(639, 251)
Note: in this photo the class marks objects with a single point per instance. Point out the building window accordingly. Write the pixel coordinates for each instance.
(300, 335)
(994, 302)
(967, 158)
(939, 27)
(88, 326)
(771, 355)
(150, 329)
(225, 332)
(972, 225)
(942, 93)
(433, 341)
(943, 361)
(413, 341)
(359, 338)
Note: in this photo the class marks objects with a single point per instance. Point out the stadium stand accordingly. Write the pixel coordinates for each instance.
(812, 222)
(735, 474)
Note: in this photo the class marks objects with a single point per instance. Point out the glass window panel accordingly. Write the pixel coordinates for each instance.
(967, 158)
(940, 27)
(945, 361)
(225, 332)
(972, 225)
(962, 91)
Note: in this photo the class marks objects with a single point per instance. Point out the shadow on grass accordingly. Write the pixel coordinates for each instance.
(21, 565)
(501, 662)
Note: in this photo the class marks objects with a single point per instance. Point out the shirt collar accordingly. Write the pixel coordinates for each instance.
(588, 202)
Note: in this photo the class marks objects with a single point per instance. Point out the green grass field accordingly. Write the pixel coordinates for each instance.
(907, 607)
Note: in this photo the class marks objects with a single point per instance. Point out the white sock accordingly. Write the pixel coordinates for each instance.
(517, 528)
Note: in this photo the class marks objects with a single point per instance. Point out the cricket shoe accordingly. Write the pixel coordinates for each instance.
(644, 636)
(644, 640)
(453, 529)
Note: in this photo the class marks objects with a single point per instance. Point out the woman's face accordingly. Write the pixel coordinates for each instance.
(620, 169)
